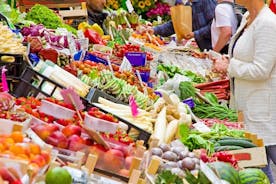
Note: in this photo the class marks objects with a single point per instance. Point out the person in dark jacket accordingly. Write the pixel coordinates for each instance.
(203, 12)
(95, 12)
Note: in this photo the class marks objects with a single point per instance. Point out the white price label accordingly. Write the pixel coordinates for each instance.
(84, 42)
(72, 44)
(129, 6)
(125, 66)
(80, 34)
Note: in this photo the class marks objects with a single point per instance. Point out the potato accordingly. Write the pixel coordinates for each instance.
(188, 163)
(157, 152)
(164, 147)
(178, 150)
(170, 156)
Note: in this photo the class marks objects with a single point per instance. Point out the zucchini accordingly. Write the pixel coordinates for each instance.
(232, 138)
(236, 142)
(227, 148)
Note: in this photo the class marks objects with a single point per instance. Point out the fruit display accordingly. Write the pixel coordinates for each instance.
(68, 137)
(115, 160)
(15, 147)
(121, 50)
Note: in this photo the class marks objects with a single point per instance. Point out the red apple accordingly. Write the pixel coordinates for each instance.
(114, 160)
(70, 130)
(76, 143)
(88, 141)
(41, 131)
(57, 139)
(128, 162)
(98, 150)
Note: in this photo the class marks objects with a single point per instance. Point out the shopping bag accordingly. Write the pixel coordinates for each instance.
(182, 20)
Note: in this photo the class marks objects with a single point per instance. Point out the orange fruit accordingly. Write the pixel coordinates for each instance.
(17, 136)
(2, 147)
(35, 149)
(17, 149)
(8, 142)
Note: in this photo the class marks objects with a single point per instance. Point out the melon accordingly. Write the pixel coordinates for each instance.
(253, 176)
(225, 172)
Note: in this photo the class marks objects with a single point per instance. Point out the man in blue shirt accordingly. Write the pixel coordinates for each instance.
(203, 12)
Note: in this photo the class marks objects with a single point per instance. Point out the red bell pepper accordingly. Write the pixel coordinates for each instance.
(94, 37)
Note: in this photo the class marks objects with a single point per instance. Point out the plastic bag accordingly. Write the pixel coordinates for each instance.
(182, 20)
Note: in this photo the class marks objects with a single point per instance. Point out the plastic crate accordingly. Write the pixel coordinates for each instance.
(143, 135)
(27, 86)
(94, 94)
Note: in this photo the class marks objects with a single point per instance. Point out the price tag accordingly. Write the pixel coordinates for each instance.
(125, 66)
(84, 42)
(110, 65)
(129, 6)
(133, 106)
(72, 44)
(71, 97)
(159, 20)
(209, 173)
(80, 34)
(141, 83)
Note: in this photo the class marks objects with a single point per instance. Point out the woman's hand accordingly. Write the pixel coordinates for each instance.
(221, 65)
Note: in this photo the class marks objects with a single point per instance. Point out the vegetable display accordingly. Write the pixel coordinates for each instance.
(41, 14)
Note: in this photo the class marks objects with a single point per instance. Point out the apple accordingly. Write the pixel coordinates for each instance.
(39, 160)
(70, 130)
(98, 150)
(46, 156)
(88, 141)
(57, 139)
(43, 131)
(128, 162)
(76, 143)
(114, 160)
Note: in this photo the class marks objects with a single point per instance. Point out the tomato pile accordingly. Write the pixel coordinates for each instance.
(95, 112)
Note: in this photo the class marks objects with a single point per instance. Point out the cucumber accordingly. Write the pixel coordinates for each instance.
(227, 148)
(237, 142)
(232, 138)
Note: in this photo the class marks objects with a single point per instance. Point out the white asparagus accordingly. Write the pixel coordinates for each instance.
(160, 126)
(171, 131)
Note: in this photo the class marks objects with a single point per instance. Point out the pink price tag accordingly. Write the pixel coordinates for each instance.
(133, 106)
(71, 97)
(4, 80)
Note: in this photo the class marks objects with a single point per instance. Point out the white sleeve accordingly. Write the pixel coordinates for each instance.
(223, 15)
(264, 55)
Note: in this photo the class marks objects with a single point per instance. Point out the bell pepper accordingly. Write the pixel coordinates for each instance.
(98, 29)
(83, 26)
(94, 37)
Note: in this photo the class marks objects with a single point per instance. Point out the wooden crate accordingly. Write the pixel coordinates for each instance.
(27, 4)
(251, 157)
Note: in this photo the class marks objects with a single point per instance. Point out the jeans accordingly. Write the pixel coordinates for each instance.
(271, 156)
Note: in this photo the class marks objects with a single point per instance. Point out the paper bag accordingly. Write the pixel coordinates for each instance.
(182, 20)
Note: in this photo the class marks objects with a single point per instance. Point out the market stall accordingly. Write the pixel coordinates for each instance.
(79, 106)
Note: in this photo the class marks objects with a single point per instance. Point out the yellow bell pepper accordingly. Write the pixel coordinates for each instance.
(83, 26)
(98, 29)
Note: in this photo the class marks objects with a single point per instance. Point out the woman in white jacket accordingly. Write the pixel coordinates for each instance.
(252, 71)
